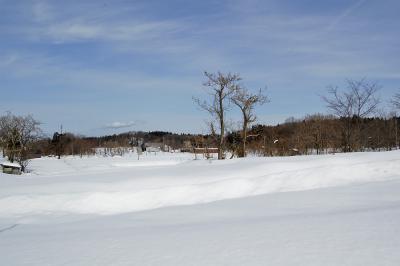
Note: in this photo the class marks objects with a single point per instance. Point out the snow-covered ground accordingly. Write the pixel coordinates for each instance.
(168, 209)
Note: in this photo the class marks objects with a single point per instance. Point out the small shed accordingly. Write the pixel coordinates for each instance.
(11, 168)
(207, 152)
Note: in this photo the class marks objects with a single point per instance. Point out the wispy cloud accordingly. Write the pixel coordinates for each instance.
(285, 41)
(347, 12)
(96, 22)
(119, 125)
(72, 31)
(57, 71)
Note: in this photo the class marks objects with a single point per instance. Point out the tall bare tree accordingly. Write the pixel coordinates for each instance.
(246, 102)
(357, 102)
(220, 87)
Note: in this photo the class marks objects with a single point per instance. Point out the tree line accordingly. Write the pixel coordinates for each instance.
(354, 123)
(321, 134)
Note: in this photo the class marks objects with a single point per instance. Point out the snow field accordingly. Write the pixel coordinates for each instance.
(108, 186)
(341, 209)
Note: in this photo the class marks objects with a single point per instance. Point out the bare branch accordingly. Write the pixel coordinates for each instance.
(395, 101)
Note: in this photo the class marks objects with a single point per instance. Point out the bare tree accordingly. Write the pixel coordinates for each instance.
(396, 101)
(246, 102)
(357, 102)
(16, 134)
(220, 87)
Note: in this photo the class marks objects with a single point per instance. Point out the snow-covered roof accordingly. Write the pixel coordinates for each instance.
(8, 164)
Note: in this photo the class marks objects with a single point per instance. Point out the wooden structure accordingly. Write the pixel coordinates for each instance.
(11, 168)
(206, 152)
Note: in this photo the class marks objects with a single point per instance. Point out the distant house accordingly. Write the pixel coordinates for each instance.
(154, 146)
(11, 168)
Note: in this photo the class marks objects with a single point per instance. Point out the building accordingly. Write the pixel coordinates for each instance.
(11, 168)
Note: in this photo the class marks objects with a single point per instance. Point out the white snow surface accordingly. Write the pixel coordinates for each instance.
(11, 164)
(341, 209)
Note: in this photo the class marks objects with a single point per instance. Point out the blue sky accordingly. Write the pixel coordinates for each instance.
(101, 67)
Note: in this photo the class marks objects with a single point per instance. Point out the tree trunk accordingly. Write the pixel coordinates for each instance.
(222, 128)
(244, 138)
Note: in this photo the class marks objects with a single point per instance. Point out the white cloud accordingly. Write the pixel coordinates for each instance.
(72, 31)
(118, 125)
